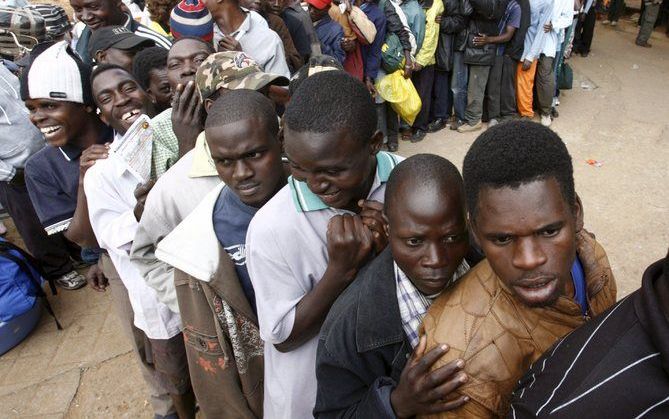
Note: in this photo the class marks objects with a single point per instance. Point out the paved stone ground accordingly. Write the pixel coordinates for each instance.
(87, 370)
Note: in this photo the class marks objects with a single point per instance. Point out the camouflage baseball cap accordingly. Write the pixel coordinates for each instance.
(232, 70)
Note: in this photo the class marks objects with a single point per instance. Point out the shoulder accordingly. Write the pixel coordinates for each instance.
(39, 165)
(278, 215)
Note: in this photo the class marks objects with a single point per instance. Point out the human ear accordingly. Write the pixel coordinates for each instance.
(578, 213)
(101, 57)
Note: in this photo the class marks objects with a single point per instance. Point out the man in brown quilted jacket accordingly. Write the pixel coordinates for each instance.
(543, 276)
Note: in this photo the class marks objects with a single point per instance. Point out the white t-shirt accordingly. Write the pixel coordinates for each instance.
(286, 257)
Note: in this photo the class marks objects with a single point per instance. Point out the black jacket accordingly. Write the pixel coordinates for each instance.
(394, 25)
(484, 20)
(362, 349)
(614, 366)
(452, 32)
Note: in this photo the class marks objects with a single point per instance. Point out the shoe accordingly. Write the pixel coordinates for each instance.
(643, 44)
(470, 128)
(457, 124)
(614, 23)
(492, 122)
(436, 125)
(584, 54)
(606, 22)
(418, 136)
(72, 280)
(546, 120)
(392, 146)
(554, 113)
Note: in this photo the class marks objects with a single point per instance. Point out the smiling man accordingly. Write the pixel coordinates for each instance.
(97, 14)
(363, 364)
(215, 293)
(543, 276)
(308, 242)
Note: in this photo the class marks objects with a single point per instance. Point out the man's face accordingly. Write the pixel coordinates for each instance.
(183, 61)
(248, 159)
(337, 168)
(528, 235)
(120, 99)
(427, 235)
(159, 88)
(274, 6)
(59, 121)
(116, 56)
(317, 14)
(254, 5)
(98, 13)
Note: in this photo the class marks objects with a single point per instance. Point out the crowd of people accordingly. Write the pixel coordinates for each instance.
(267, 253)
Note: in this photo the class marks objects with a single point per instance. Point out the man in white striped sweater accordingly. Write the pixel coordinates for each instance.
(615, 366)
(100, 13)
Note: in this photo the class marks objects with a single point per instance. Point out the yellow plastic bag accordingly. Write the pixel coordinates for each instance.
(401, 94)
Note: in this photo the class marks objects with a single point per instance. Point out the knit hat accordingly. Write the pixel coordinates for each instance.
(56, 20)
(320, 4)
(191, 18)
(232, 70)
(58, 74)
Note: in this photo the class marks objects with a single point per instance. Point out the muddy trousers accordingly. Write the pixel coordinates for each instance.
(159, 396)
(478, 80)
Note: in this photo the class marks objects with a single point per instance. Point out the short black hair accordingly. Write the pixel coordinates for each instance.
(152, 58)
(106, 67)
(513, 154)
(427, 172)
(210, 46)
(330, 101)
(237, 105)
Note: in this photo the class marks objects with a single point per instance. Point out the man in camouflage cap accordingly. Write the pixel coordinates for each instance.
(232, 70)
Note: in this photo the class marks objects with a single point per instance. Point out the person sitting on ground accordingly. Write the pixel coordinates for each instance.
(215, 293)
(56, 91)
(363, 365)
(614, 366)
(182, 187)
(96, 14)
(150, 69)
(308, 242)
(543, 276)
(114, 215)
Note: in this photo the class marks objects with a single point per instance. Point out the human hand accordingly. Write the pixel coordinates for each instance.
(229, 43)
(581, 17)
(90, 155)
(348, 45)
(187, 111)
(369, 83)
(96, 279)
(141, 192)
(438, 19)
(349, 244)
(548, 27)
(416, 66)
(423, 392)
(526, 65)
(372, 218)
(481, 40)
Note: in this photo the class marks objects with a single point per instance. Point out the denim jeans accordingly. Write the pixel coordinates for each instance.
(459, 79)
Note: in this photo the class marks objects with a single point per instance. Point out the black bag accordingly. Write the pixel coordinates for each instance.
(20, 29)
(565, 77)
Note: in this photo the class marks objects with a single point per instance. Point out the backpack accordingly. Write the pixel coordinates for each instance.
(21, 282)
(392, 54)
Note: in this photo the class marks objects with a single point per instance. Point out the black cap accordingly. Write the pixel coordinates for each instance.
(118, 37)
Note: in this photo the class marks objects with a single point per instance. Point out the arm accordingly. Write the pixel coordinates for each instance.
(500, 39)
(427, 51)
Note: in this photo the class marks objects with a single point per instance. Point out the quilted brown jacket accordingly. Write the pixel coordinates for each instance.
(223, 345)
(499, 337)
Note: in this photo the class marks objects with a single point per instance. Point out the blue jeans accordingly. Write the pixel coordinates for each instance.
(459, 79)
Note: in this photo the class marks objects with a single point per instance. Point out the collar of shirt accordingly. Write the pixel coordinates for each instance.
(414, 304)
(73, 152)
(306, 201)
(203, 165)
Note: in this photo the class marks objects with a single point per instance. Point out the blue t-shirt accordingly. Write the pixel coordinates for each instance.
(231, 220)
(511, 18)
(580, 291)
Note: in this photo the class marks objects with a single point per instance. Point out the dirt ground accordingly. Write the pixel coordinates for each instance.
(617, 114)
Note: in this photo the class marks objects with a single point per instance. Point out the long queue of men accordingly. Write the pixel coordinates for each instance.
(276, 262)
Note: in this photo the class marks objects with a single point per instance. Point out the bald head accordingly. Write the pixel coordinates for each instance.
(422, 177)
